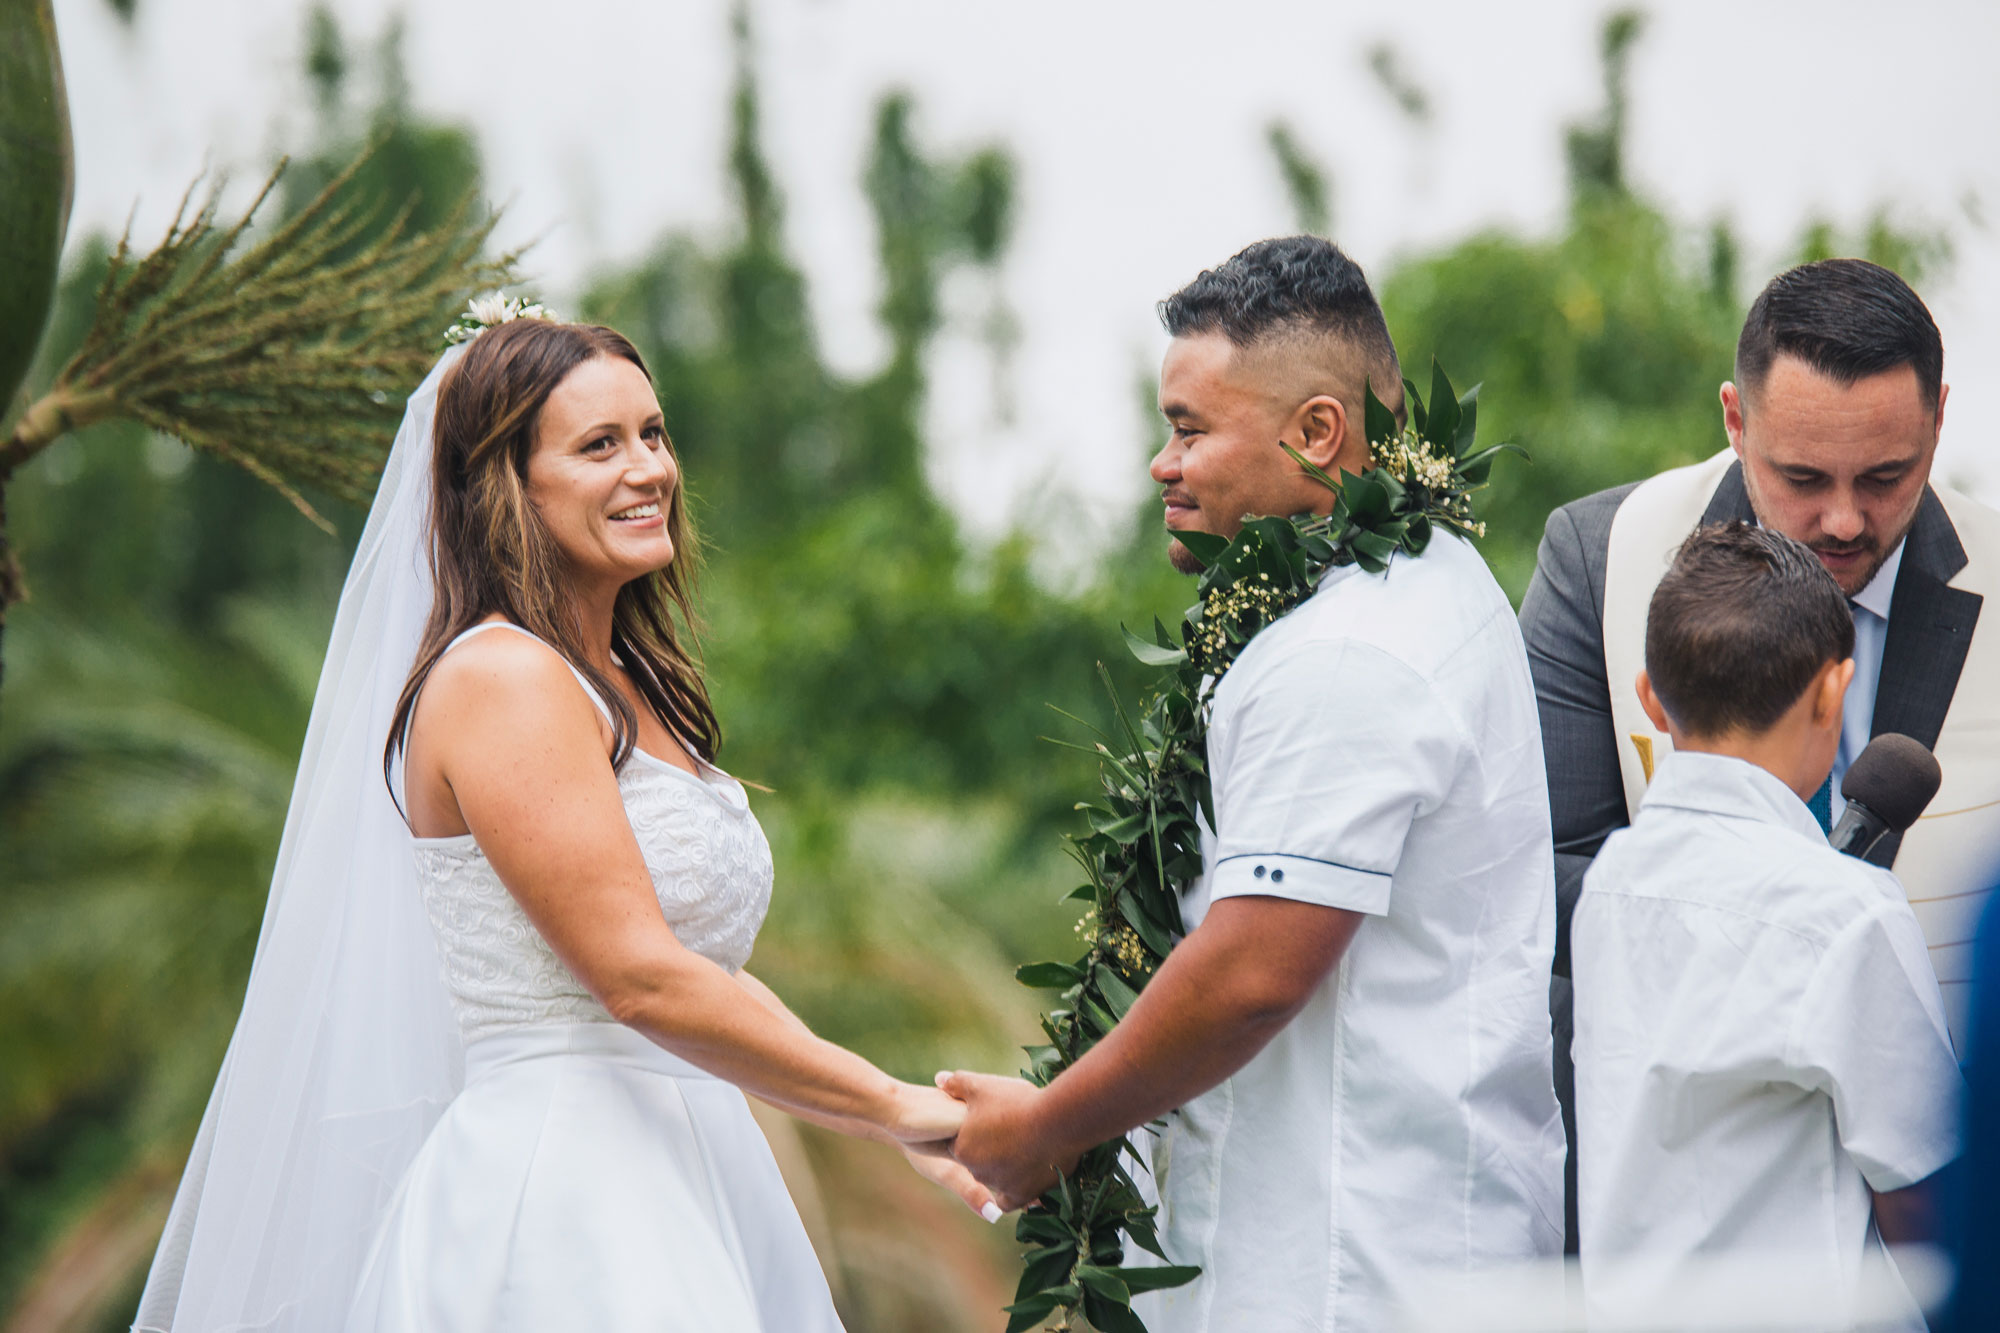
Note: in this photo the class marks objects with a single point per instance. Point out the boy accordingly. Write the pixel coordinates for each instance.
(1761, 1050)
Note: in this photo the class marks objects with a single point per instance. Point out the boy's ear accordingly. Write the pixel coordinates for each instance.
(1831, 692)
(1651, 702)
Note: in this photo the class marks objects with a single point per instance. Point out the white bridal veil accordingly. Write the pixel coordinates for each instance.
(346, 1052)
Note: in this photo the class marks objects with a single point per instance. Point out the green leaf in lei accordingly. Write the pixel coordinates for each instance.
(1143, 844)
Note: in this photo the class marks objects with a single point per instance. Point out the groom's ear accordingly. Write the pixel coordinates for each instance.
(1328, 443)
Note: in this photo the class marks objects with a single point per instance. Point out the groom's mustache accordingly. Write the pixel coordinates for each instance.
(1178, 498)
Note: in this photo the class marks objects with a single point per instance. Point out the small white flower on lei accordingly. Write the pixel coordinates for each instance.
(491, 311)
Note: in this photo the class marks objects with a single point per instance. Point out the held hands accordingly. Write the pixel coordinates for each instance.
(917, 1114)
(977, 1136)
(921, 1122)
(1002, 1142)
(934, 1162)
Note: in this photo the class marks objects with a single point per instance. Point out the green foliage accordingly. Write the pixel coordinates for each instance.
(282, 358)
(1602, 347)
(1386, 64)
(143, 780)
(1600, 351)
(1306, 183)
(386, 161)
(36, 164)
(326, 58)
(117, 520)
(1596, 148)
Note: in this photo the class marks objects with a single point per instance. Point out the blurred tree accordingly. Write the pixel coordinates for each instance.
(326, 61)
(1306, 182)
(1386, 64)
(1596, 149)
(143, 778)
(1600, 349)
(420, 170)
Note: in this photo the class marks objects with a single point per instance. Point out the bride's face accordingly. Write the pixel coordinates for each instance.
(601, 475)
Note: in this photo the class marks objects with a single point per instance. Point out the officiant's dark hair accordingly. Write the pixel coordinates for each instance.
(1847, 319)
(491, 552)
(1739, 627)
(1288, 285)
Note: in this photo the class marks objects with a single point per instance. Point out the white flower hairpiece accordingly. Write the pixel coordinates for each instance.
(491, 311)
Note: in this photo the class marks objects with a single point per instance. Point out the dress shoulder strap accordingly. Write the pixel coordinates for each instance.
(581, 679)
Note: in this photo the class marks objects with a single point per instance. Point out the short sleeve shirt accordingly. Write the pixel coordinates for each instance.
(1759, 1040)
(1378, 750)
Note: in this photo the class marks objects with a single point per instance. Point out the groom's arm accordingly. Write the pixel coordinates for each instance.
(1222, 994)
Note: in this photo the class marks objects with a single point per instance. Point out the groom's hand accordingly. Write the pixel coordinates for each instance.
(1003, 1142)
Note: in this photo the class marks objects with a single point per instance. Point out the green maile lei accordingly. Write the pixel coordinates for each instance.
(1143, 847)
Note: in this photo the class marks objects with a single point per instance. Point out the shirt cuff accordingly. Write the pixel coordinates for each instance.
(1303, 879)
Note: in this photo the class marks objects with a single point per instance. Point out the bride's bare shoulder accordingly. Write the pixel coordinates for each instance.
(500, 675)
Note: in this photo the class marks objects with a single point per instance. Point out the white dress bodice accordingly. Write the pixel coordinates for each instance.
(711, 870)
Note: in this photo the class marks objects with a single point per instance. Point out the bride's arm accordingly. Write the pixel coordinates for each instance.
(523, 752)
(931, 1160)
(764, 995)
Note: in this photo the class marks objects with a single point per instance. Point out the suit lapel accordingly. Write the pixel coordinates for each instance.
(1930, 632)
(1930, 624)
(1731, 500)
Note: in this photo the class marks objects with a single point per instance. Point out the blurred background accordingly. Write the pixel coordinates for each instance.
(893, 265)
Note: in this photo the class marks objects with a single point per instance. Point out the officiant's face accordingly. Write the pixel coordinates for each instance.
(1839, 467)
(601, 474)
(1221, 463)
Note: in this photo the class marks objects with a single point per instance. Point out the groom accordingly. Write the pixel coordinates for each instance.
(1350, 1048)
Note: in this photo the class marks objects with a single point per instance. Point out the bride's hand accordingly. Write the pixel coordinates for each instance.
(933, 1161)
(918, 1114)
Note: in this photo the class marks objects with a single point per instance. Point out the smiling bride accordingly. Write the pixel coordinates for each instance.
(573, 1148)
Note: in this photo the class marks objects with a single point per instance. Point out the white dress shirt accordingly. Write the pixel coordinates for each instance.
(1377, 750)
(1871, 635)
(1759, 1041)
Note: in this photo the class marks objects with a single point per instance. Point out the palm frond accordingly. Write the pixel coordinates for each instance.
(288, 355)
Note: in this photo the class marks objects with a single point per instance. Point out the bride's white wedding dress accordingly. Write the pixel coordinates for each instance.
(585, 1178)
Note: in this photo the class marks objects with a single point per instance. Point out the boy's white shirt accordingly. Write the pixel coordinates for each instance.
(1377, 750)
(1759, 1039)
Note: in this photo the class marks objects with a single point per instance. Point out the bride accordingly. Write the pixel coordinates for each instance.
(491, 1064)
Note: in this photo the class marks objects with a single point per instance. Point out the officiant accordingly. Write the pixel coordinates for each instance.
(1832, 421)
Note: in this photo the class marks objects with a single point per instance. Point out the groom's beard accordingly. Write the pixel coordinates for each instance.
(1183, 559)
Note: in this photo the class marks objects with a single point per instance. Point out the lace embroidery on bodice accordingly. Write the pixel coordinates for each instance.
(711, 870)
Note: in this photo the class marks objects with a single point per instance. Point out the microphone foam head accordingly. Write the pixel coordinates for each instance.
(1895, 777)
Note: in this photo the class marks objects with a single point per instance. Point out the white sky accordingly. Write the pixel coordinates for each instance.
(1138, 130)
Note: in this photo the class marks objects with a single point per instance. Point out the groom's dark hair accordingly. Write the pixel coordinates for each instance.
(1290, 288)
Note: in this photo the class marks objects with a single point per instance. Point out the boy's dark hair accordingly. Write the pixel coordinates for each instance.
(1847, 319)
(1292, 283)
(1739, 627)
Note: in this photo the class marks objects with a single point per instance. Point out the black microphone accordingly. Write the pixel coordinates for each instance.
(1886, 788)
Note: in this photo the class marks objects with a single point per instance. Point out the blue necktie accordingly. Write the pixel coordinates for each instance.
(1821, 805)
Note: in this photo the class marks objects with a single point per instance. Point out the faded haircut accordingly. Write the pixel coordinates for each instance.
(1293, 289)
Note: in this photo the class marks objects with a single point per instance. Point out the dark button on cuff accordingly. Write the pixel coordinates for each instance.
(1277, 877)
(1258, 872)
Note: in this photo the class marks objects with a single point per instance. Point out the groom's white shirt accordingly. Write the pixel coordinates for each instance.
(1378, 750)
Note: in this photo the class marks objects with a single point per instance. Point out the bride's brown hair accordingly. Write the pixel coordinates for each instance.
(491, 552)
